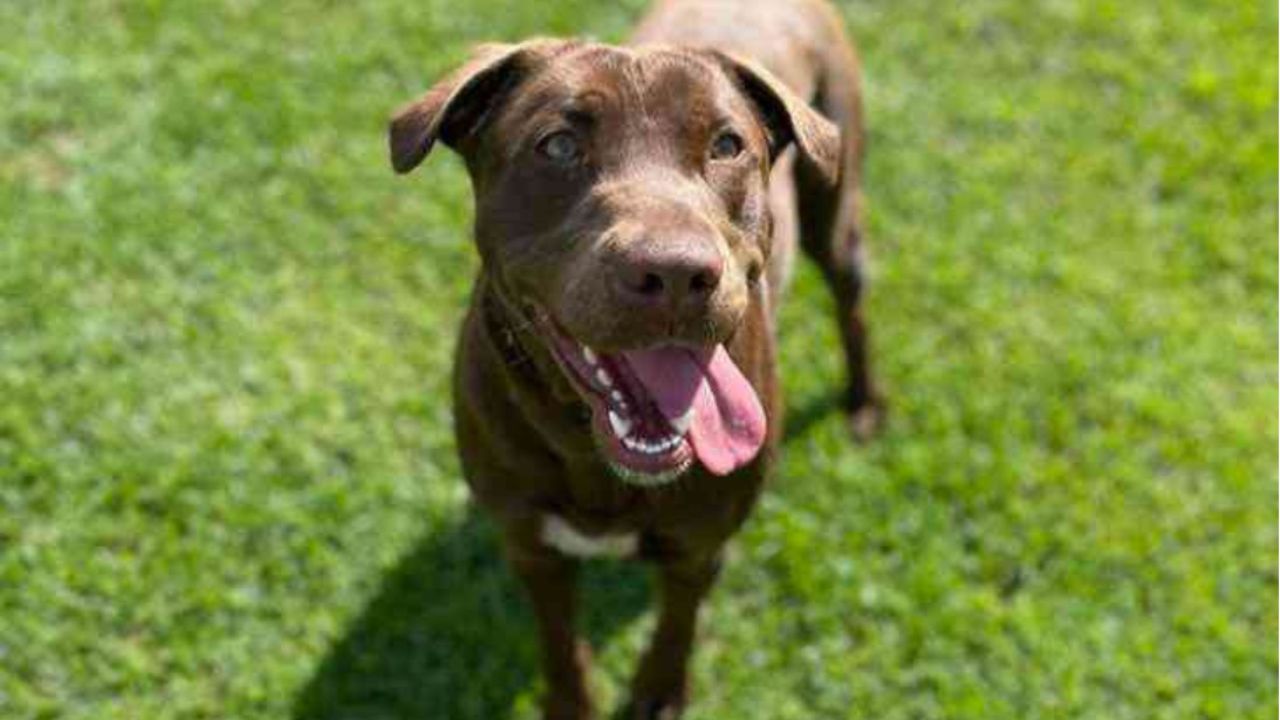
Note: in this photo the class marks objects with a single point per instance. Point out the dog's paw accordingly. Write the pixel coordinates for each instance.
(657, 693)
(867, 421)
(559, 708)
(654, 709)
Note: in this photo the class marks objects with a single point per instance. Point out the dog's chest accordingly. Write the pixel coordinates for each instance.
(559, 534)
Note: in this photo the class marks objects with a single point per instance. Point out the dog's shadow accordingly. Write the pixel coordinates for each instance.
(449, 634)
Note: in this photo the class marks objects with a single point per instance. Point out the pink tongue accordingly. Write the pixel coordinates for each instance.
(728, 422)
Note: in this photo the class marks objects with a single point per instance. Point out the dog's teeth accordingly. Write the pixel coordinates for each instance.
(682, 423)
(621, 426)
(656, 447)
(589, 355)
(603, 378)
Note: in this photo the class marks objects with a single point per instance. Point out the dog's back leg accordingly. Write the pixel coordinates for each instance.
(831, 233)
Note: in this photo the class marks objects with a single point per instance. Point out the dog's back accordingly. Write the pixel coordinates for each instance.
(803, 42)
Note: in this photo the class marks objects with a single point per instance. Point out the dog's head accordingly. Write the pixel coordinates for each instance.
(621, 202)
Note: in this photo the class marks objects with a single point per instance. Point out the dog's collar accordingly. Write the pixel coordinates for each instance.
(504, 330)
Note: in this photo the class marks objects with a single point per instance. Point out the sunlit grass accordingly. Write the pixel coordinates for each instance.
(227, 479)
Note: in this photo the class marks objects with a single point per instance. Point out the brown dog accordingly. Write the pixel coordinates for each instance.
(636, 212)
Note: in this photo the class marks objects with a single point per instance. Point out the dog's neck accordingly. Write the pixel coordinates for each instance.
(509, 331)
(523, 359)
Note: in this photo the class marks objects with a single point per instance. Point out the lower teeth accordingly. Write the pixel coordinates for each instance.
(651, 448)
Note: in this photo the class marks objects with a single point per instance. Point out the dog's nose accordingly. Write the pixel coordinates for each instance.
(670, 272)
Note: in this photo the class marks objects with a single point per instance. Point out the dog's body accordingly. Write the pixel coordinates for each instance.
(624, 198)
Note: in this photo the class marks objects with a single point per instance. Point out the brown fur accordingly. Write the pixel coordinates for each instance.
(570, 243)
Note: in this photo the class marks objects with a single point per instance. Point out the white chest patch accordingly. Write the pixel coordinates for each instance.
(559, 534)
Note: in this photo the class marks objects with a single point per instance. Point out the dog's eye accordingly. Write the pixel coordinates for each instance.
(560, 147)
(727, 145)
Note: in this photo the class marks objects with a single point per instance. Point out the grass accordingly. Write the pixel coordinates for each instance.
(227, 481)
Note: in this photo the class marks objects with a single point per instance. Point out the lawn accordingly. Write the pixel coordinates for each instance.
(227, 480)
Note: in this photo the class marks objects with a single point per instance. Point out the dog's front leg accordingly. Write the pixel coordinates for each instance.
(660, 688)
(550, 579)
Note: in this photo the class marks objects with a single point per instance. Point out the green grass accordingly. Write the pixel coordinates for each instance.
(227, 481)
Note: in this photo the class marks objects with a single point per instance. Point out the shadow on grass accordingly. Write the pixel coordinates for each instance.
(449, 634)
(799, 420)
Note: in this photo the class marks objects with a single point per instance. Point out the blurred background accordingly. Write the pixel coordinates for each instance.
(227, 480)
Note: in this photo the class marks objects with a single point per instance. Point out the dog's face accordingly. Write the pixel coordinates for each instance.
(621, 203)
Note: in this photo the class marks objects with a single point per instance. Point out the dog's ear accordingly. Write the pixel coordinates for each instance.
(787, 117)
(458, 104)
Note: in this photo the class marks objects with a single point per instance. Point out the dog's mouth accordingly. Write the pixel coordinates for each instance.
(656, 410)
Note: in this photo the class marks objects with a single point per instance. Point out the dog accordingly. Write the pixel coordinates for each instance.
(637, 209)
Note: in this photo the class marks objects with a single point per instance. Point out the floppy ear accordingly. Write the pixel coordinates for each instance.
(787, 117)
(458, 104)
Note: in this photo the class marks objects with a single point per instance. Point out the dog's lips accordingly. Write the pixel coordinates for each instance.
(643, 447)
(657, 410)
